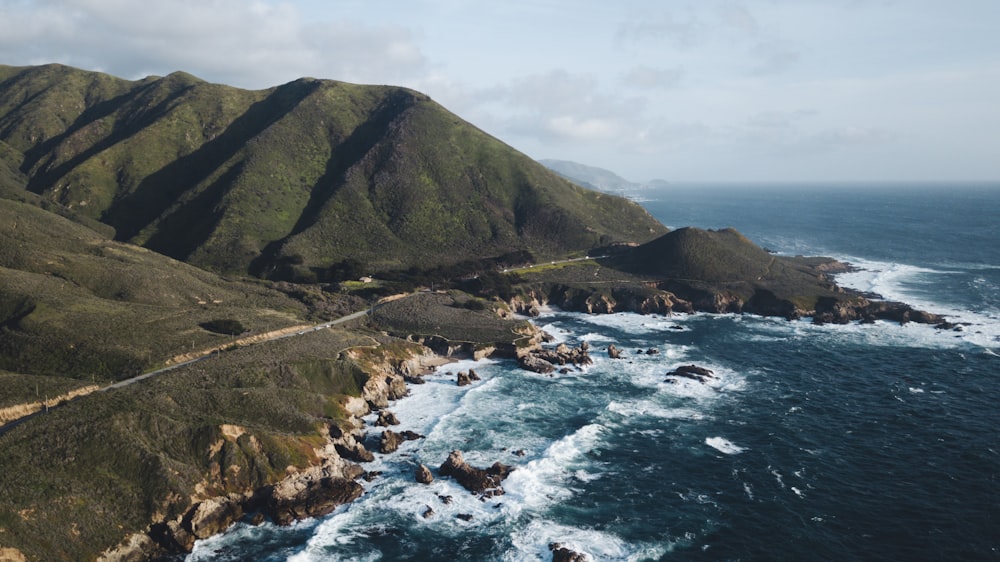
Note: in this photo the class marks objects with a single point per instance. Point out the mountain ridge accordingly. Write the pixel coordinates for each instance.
(291, 181)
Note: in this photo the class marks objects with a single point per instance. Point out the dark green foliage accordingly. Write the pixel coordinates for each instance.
(226, 326)
(304, 182)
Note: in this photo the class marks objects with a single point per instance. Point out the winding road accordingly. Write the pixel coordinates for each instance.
(209, 353)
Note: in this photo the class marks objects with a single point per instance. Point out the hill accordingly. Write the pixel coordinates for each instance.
(290, 182)
(589, 176)
(78, 305)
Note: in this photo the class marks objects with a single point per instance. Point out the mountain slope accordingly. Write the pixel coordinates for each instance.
(293, 180)
(589, 176)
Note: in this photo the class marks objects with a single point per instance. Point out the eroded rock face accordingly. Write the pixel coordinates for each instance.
(536, 364)
(214, 515)
(389, 442)
(485, 483)
(548, 360)
(423, 475)
(386, 418)
(614, 352)
(355, 453)
(315, 499)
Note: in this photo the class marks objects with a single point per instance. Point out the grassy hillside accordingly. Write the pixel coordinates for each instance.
(291, 181)
(693, 263)
(76, 304)
(80, 478)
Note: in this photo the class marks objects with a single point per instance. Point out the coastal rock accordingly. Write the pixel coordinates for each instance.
(692, 372)
(562, 554)
(12, 555)
(463, 379)
(316, 498)
(356, 452)
(614, 352)
(389, 442)
(536, 364)
(386, 418)
(474, 376)
(213, 516)
(428, 513)
(485, 483)
(547, 360)
(137, 548)
(423, 475)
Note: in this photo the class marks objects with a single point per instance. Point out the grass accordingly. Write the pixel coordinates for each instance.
(78, 479)
(449, 316)
(75, 304)
(291, 181)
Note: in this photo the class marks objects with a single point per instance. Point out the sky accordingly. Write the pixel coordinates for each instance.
(696, 90)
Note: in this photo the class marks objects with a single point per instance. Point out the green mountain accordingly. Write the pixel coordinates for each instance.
(293, 181)
(589, 176)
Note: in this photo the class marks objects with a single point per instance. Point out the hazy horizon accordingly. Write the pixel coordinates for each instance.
(720, 90)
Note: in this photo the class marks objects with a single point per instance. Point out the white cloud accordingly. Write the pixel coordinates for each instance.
(646, 77)
(250, 44)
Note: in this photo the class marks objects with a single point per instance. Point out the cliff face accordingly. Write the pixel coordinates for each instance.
(323, 479)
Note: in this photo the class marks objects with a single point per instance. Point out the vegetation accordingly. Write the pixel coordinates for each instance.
(76, 480)
(309, 181)
(75, 304)
(454, 316)
(692, 261)
(131, 213)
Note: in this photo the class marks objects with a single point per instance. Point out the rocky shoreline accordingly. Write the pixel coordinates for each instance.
(317, 490)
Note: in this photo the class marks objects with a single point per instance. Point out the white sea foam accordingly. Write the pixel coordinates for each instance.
(531, 543)
(652, 409)
(890, 280)
(724, 445)
(543, 480)
(632, 323)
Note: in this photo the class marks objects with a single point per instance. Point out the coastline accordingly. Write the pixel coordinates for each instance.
(311, 491)
(318, 489)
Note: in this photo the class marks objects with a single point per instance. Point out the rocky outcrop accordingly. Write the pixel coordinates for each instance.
(562, 554)
(548, 360)
(390, 441)
(386, 418)
(614, 352)
(311, 498)
(832, 311)
(11, 555)
(692, 372)
(484, 483)
(423, 474)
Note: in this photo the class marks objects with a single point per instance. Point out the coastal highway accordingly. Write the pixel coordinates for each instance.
(280, 334)
(557, 262)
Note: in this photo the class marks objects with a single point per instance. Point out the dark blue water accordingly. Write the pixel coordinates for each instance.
(875, 442)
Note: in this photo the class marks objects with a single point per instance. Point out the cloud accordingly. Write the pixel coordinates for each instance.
(680, 32)
(773, 57)
(793, 132)
(646, 77)
(560, 106)
(250, 44)
(738, 17)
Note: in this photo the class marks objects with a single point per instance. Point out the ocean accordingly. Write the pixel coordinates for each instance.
(855, 442)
